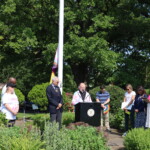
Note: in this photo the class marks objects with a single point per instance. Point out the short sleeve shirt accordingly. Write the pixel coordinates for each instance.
(128, 96)
(12, 100)
(102, 96)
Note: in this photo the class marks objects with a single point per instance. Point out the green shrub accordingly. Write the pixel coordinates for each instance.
(82, 138)
(148, 91)
(116, 96)
(3, 120)
(15, 138)
(87, 138)
(40, 119)
(20, 96)
(24, 143)
(55, 139)
(117, 120)
(68, 117)
(38, 96)
(67, 98)
(137, 139)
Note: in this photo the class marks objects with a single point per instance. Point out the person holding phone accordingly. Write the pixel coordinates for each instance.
(140, 107)
(129, 108)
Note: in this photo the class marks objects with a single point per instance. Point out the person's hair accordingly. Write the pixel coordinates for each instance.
(102, 87)
(141, 88)
(129, 86)
(82, 83)
(54, 78)
(12, 80)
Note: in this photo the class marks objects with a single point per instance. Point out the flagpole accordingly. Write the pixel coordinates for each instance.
(61, 40)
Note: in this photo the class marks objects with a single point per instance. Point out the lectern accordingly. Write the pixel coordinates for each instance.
(88, 113)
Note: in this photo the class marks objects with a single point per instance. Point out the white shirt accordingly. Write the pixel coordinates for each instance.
(13, 102)
(77, 98)
(128, 97)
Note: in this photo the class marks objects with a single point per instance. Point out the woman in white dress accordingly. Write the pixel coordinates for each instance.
(148, 113)
(10, 104)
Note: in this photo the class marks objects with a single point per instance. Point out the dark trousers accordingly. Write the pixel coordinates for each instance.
(129, 117)
(56, 117)
(11, 123)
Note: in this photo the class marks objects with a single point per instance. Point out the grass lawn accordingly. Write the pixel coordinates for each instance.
(28, 115)
(20, 116)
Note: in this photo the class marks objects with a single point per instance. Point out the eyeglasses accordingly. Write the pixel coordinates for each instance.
(128, 89)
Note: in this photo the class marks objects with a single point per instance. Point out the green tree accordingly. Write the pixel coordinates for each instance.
(105, 41)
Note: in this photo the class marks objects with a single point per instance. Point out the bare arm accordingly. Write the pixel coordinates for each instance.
(97, 100)
(9, 108)
(132, 99)
(124, 100)
(107, 101)
(17, 110)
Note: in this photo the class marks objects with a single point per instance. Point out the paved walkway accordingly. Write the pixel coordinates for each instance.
(115, 140)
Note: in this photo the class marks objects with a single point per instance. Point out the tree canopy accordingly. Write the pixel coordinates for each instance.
(104, 41)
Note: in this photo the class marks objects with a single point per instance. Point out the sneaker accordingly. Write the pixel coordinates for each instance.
(124, 134)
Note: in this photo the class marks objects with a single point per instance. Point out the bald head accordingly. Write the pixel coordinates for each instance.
(55, 80)
(82, 87)
(12, 80)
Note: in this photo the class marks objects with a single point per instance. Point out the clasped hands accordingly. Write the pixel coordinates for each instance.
(59, 106)
(15, 112)
(102, 105)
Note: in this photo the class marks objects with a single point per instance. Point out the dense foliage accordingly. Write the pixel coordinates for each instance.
(15, 138)
(20, 96)
(105, 41)
(40, 119)
(38, 96)
(148, 91)
(3, 120)
(137, 139)
(117, 120)
(83, 138)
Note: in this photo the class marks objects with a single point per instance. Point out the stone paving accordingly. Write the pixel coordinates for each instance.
(115, 140)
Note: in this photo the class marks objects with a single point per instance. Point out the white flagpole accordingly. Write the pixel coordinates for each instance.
(61, 40)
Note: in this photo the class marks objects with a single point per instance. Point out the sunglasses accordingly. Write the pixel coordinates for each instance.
(128, 89)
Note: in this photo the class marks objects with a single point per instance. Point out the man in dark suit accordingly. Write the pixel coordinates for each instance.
(55, 101)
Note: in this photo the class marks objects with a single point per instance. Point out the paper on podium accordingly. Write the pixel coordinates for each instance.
(124, 104)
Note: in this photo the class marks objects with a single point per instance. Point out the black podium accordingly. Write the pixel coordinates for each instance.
(88, 113)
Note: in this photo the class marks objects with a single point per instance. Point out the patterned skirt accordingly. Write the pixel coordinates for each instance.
(140, 119)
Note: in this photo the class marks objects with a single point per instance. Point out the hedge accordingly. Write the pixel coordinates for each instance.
(37, 95)
(137, 139)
